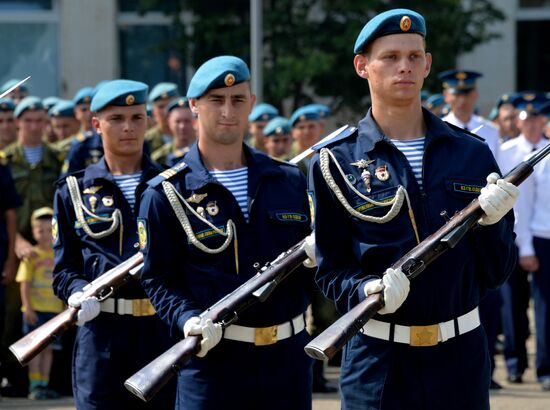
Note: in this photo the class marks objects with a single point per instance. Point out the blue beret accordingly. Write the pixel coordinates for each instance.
(63, 109)
(434, 100)
(28, 103)
(277, 126)
(459, 81)
(6, 104)
(49, 102)
(10, 83)
(180, 102)
(263, 112)
(323, 110)
(218, 72)
(149, 109)
(530, 103)
(121, 93)
(84, 95)
(304, 113)
(98, 86)
(163, 90)
(396, 21)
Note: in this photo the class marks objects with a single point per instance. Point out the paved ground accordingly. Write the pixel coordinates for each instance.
(526, 396)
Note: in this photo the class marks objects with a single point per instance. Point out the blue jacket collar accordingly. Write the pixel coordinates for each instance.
(371, 134)
(259, 166)
(100, 171)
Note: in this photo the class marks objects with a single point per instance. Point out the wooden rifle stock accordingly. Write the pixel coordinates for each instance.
(26, 348)
(328, 343)
(150, 379)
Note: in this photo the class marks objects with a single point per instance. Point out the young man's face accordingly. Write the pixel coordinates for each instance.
(159, 110)
(277, 145)
(83, 115)
(65, 127)
(307, 132)
(122, 129)
(180, 122)
(8, 130)
(32, 124)
(508, 121)
(223, 113)
(462, 104)
(395, 67)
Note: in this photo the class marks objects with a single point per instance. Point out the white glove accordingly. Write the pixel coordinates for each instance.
(311, 261)
(211, 333)
(396, 287)
(89, 308)
(496, 199)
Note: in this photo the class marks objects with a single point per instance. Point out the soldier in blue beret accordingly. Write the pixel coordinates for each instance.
(115, 338)
(160, 97)
(64, 122)
(49, 102)
(306, 131)
(16, 94)
(278, 138)
(82, 100)
(8, 130)
(182, 126)
(257, 120)
(193, 259)
(377, 191)
(460, 92)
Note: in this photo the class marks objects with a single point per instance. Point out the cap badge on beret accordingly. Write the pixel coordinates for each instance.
(86, 99)
(405, 23)
(265, 117)
(279, 130)
(181, 103)
(302, 117)
(130, 99)
(229, 80)
(32, 107)
(164, 95)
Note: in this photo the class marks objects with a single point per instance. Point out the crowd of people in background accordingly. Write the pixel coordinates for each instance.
(43, 139)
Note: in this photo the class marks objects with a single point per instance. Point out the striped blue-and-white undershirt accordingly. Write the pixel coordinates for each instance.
(236, 181)
(413, 151)
(33, 155)
(128, 184)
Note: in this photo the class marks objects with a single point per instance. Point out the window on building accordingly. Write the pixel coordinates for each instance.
(29, 33)
(533, 55)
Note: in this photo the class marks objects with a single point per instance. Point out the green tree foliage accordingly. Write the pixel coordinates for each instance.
(308, 44)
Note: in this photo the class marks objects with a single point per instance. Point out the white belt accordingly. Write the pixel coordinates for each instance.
(262, 336)
(134, 307)
(423, 335)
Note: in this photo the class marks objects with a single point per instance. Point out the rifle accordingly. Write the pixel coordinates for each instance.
(328, 343)
(150, 379)
(26, 348)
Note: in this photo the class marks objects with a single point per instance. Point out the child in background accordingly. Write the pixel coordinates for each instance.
(39, 302)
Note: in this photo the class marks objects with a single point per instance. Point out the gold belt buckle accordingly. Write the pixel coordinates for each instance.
(424, 335)
(142, 307)
(265, 336)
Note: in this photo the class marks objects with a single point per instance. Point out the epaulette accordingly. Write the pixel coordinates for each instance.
(463, 131)
(3, 159)
(80, 138)
(345, 133)
(169, 173)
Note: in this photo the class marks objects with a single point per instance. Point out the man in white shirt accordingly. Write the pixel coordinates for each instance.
(533, 240)
(460, 92)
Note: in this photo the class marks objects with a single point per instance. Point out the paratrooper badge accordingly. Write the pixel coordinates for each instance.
(212, 208)
(200, 211)
(196, 198)
(381, 172)
(92, 200)
(365, 174)
(108, 201)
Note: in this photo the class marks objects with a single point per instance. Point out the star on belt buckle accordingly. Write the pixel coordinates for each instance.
(265, 336)
(424, 335)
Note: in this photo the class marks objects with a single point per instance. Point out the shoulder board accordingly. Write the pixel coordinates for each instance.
(166, 174)
(3, 159)
(463, 131)
(341, 135)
